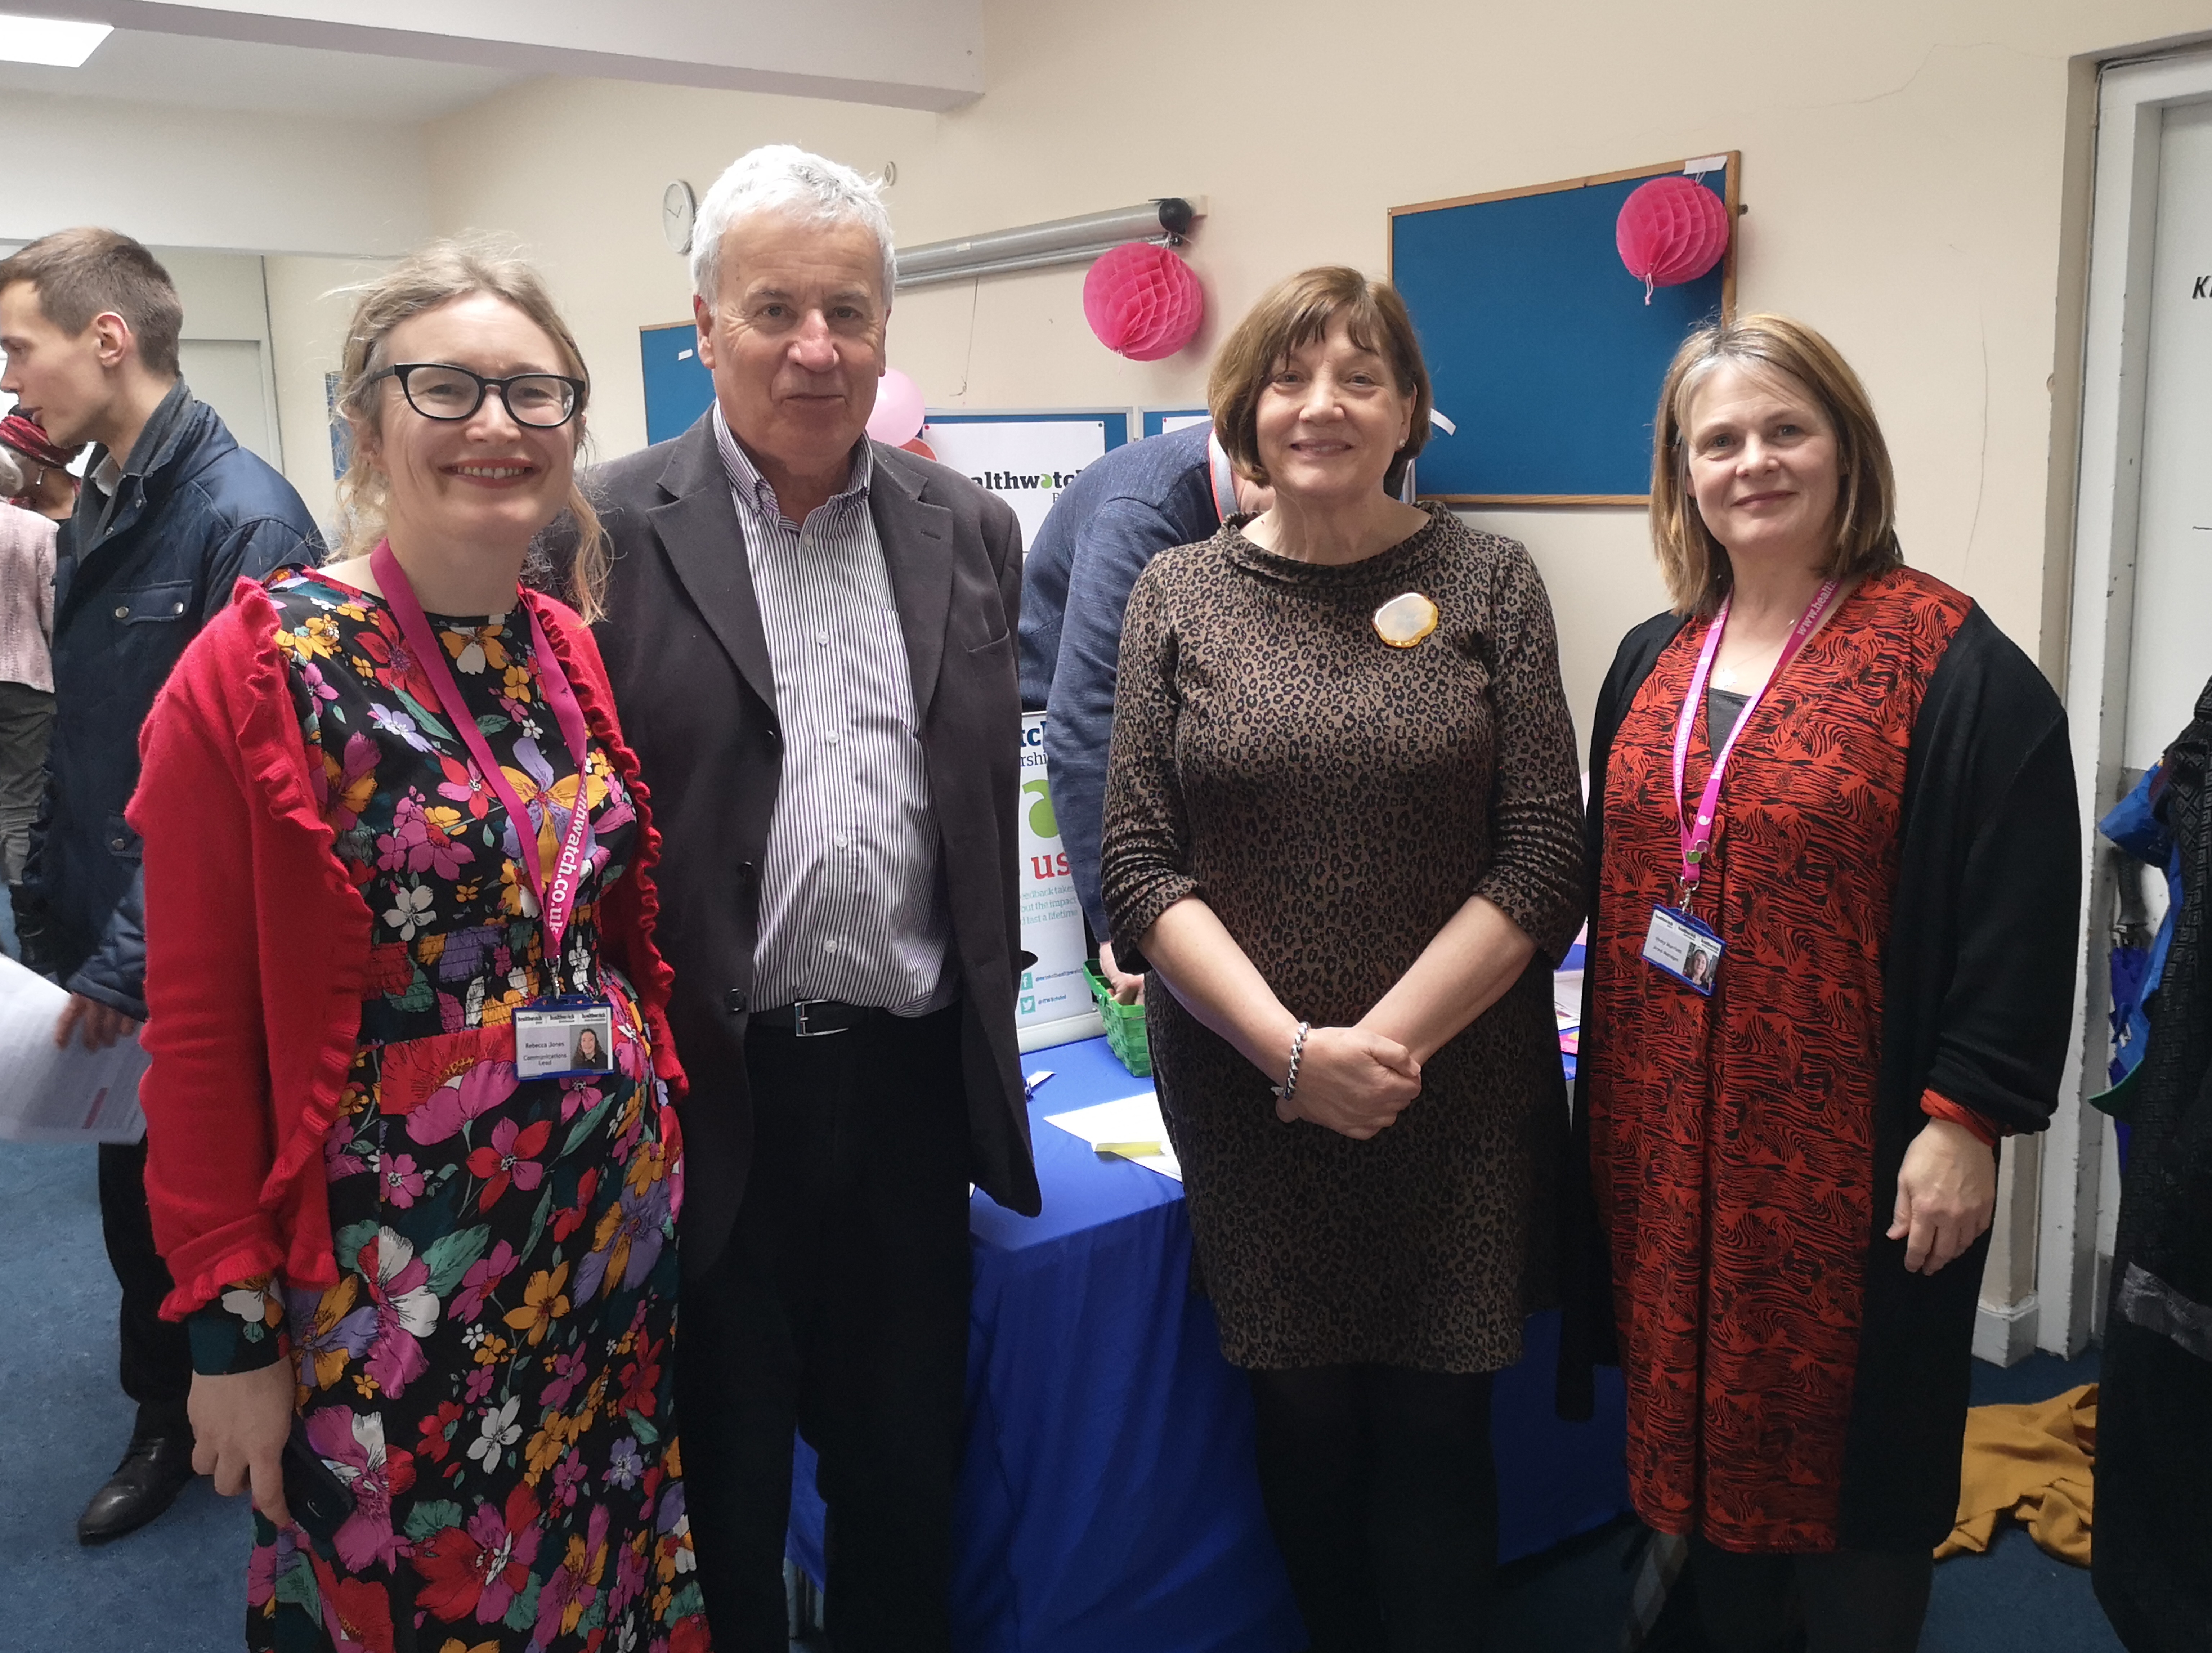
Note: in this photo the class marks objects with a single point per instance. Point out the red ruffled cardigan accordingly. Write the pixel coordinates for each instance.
(258, 946)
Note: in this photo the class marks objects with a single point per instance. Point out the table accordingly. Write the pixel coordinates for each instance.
(1108, 1501)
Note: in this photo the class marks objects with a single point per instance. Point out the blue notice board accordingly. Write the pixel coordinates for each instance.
(678, 386)
(1539, 343)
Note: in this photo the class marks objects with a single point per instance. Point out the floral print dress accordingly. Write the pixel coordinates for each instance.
(491, 1376)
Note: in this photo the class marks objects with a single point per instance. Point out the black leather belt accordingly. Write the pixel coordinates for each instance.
(811, 1018)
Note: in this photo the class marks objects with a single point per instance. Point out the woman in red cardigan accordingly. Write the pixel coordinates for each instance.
(397, 862)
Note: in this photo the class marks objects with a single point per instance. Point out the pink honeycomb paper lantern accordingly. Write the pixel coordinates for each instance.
(1671, 230)
(1143, 301)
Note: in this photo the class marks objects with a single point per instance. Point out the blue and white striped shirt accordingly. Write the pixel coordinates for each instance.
(852, 897)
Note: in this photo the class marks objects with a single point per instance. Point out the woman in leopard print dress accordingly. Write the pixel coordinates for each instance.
(1343, 816)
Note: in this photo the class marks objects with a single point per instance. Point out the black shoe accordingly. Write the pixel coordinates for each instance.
(153, 1471)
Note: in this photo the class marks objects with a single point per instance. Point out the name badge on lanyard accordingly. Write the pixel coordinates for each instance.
(563, 1038)
(1677, 943)
(557, 1036)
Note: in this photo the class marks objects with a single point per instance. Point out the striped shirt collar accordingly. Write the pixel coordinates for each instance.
(746, 481)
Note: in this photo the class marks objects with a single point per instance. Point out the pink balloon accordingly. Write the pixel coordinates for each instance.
(897, 417)
(1143, 301)
(1671, 230)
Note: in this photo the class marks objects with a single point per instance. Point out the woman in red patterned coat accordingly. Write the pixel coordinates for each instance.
(1836, 869)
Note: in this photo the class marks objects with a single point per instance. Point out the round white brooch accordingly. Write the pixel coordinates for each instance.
(1404, 621)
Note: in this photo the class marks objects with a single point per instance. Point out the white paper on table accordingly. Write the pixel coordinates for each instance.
(1131, 1119)
(50, 1095)
(1567, 998)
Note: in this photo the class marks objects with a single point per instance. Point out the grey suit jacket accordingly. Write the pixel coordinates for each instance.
(696, 692)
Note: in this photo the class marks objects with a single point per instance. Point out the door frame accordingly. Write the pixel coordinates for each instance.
(2078, 1170)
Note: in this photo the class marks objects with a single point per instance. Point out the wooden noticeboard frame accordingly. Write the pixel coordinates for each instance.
(1542, 348)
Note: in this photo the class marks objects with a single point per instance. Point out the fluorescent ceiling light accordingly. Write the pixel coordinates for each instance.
(49, 40)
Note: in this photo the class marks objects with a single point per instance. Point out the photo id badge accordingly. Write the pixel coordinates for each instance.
(563, 1038)
(1685, 949)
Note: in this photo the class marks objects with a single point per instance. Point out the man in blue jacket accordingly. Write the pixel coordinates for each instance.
(173, 512)
(1140, 500)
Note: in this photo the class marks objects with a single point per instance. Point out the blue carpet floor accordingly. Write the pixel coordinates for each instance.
(179, 1586)
(176, 1587)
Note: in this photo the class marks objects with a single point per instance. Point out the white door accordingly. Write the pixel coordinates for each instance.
(228, 375)
(2138, 649)
(2170, 656)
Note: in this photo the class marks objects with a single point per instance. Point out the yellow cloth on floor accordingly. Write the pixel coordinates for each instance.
(2033, 1463)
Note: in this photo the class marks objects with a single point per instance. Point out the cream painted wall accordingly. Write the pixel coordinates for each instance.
(221, 179)
(1903, 165)
(584, 202)
(1903, 161)
(613, 272)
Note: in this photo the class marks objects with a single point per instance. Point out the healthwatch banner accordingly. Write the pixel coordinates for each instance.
(1024, 462)
(1055, 1000)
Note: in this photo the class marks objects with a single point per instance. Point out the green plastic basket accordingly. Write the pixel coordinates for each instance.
(1125, 1024)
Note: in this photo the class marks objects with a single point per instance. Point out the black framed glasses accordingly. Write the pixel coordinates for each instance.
(439, 390)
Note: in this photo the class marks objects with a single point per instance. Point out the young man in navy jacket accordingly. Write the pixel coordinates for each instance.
(173, 512)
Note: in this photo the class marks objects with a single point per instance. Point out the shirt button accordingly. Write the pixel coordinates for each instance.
(737, 1001)
(831, 738)
(123, 613)
(844, 842)
(830, 945)
(822, 640)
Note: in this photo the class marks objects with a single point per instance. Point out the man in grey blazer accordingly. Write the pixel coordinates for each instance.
(811, 641)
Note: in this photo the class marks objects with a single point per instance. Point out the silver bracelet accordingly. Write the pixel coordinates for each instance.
(1289, 1087)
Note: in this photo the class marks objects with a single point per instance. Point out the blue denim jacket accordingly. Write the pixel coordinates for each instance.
(1124, 510)
(192, 512)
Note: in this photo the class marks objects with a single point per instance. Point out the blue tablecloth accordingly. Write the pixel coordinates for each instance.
(1109, 1502)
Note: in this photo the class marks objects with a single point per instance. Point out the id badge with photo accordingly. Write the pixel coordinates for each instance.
(1679, 945)
(564, 1038)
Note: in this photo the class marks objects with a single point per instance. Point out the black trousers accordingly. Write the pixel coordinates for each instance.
(840, 1306)
(157, 1357)
(1846, 1600)
(1382, 1495)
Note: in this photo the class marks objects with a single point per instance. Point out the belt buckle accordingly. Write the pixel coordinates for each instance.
(798, 1009)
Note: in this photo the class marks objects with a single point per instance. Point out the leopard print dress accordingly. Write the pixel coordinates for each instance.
(1335, 801)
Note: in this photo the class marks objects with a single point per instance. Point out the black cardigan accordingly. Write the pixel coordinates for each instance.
(1978, 992)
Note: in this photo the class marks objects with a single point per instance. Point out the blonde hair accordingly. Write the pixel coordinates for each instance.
(434, 275)
(1695, 564)
(1290, 315)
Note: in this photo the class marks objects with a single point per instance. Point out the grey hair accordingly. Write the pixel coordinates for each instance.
(14, 479)
(784, 178)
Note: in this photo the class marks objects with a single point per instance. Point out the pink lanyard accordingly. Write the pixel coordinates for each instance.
(554, 905)
(1697, 839)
